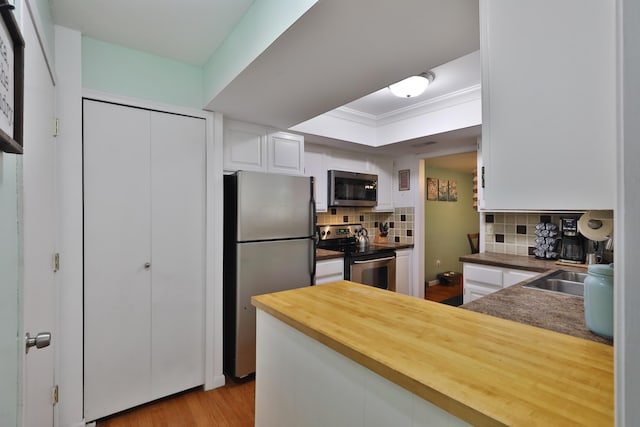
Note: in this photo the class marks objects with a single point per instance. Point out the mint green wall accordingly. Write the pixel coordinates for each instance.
(263, 23)
(122, 71)
(447, 225)
(119, 70)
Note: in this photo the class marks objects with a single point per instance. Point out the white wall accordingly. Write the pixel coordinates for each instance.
(412, 197)
(10, 284)
(69, 161)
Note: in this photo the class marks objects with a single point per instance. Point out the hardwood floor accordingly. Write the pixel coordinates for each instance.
(440, 293)
(230, 406)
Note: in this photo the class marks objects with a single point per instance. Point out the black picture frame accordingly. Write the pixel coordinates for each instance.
(14, 143)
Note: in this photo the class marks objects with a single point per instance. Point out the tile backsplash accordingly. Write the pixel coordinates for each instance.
(401, 221)
(514, 233)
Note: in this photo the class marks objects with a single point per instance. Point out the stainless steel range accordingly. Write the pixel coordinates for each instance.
(370, 264)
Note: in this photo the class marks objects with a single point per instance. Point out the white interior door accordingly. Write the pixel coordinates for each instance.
(116, 250)
(10, 284)
(39, 208)
(177, 252)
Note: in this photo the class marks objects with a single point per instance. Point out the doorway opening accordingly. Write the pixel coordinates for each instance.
(450, 216)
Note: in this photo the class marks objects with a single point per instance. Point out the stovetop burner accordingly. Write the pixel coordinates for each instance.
(342, 238)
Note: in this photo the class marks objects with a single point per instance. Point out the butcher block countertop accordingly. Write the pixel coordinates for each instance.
(483, 369)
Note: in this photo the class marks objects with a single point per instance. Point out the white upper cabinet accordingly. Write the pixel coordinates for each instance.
(252, 147)
(320, 159)
(244, 146)
(285, 153)
(384, 169)
(548, 104)
(349, 161)
(315, 166)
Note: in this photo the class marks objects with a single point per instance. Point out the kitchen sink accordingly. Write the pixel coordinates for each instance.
(563, 282)
(572, 276)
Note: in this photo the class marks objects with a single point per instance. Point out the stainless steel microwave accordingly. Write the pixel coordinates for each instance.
(352, 189)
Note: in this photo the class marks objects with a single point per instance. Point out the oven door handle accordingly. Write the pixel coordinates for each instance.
(374, 260)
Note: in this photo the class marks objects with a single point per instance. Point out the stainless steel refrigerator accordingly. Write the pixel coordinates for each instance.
(269, 246)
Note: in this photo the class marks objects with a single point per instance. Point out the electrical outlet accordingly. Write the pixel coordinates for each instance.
(437, 263)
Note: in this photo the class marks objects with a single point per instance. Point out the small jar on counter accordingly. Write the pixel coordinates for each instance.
(598, 299)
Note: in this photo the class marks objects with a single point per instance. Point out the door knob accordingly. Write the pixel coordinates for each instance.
(43, 339)
(147, 265)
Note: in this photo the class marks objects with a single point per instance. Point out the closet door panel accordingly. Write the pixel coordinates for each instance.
(177, 224)
(116, 248)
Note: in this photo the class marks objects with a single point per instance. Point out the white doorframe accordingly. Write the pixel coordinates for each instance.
(39, 223)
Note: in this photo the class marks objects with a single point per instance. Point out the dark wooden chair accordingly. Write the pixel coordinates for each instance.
(474, 242)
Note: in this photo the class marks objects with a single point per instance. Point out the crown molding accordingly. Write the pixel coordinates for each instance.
(470, 93)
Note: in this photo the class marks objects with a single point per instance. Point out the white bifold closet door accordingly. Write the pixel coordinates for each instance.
(144, 216)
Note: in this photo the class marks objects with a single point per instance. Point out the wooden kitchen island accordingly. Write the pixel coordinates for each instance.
(344, 354)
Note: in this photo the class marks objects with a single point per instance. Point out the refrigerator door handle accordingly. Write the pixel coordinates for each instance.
(313, 261)
(314, 235)
(312, 220)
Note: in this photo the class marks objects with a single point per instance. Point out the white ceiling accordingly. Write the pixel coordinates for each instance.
(459, 74)
(188, 31)
(339, 52)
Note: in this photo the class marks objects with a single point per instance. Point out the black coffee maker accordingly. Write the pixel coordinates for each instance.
(572, 242)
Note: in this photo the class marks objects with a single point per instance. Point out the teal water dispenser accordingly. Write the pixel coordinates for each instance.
(598, 299)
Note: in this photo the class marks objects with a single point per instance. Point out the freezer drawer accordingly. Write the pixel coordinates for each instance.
(265, 267)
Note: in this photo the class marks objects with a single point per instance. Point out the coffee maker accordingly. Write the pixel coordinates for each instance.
(572, 242)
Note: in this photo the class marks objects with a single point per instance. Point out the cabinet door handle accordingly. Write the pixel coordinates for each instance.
(147, 265)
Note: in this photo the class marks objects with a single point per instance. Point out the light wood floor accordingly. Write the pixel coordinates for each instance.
(229, 406)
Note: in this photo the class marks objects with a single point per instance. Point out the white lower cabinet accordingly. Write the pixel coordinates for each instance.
(473, 292)
(144, 216)
(329, 270)
(481, 280)
(404, 265)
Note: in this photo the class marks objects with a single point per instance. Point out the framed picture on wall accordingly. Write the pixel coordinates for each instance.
(404, 180)
(453, 191)
(443, 190)
(432, 188)
(12, 81)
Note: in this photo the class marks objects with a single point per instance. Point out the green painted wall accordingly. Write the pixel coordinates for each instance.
(122, 71)
(447, 225)
(263, 23)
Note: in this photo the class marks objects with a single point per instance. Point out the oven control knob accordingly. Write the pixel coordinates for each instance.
(328, 232)
(322, 234)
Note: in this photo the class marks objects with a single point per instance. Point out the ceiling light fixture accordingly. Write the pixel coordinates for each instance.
(412, 86)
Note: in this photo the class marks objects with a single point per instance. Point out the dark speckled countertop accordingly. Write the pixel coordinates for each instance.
(556, 312)
(322, 254)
